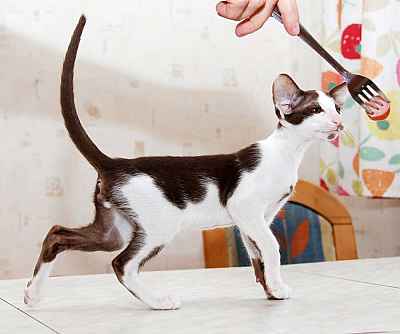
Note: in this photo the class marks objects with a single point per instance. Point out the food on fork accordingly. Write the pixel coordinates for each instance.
(377, 108)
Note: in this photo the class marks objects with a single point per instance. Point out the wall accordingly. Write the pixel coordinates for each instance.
(152, 78)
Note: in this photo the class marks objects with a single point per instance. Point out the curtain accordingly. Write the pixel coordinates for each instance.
(365, 37)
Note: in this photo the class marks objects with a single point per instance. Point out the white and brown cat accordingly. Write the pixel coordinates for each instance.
(141, 204)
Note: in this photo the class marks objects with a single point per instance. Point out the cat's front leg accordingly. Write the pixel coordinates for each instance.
(265, 241)
(256, 260)
(269, 247)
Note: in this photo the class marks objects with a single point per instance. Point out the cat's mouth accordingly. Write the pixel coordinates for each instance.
(333, 135)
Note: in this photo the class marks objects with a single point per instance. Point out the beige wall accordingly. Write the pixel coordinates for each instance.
(153, 78)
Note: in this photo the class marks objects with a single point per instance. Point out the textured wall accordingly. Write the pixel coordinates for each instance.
(153, 78)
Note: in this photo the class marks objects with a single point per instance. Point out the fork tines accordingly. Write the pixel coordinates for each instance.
(369, 91)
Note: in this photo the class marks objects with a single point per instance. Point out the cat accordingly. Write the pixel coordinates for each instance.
(142, 203)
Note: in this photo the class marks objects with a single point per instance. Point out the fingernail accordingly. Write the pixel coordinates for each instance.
(239, 32)
(295, 30)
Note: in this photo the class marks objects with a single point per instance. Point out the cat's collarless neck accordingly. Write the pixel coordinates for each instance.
(293, 142)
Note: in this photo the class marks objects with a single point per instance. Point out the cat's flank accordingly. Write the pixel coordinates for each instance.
(141, 204)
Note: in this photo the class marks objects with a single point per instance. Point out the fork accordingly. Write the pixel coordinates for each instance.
(363, 90)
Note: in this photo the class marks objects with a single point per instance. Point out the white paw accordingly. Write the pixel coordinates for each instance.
(279, 291)
(166, 303)
(31, 295)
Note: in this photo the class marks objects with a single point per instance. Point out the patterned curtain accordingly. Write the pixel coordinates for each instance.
(365, 37)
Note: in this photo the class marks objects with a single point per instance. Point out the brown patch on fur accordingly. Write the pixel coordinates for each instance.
(152, 254)
(101, 235)
(307, 106)
(253, 243)
(129, 252)
(259, 269)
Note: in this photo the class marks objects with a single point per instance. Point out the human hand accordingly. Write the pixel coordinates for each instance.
(252, 14)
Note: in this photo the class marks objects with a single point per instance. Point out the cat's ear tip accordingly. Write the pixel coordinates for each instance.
(284, 76)
(281, 76)
(339, 93)
(285, 79)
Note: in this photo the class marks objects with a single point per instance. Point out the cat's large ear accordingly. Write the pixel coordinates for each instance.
(285, 93)
(339, 94)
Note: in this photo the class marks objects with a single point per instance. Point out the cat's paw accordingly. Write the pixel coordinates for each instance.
(279, 291)
(31, 295)
(166, 303)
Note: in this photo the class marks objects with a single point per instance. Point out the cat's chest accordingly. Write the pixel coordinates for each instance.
(277, 187)
(275, 203)
(275, 192)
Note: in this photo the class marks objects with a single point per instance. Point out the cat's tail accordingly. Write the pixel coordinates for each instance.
(75, 129)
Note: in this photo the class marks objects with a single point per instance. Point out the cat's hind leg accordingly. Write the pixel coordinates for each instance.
(127, 266)
(104, 234)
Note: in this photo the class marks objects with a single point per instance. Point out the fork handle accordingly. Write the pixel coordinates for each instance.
(312, 42)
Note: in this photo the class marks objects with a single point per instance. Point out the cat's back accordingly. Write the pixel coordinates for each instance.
(178, 167)
(206, 181)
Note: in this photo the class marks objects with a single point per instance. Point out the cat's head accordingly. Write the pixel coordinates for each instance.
(313, 114)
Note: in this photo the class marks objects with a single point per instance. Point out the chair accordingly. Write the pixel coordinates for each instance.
(221, 243)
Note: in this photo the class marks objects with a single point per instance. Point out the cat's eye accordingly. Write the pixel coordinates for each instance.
(317, 110)
(339, 111)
